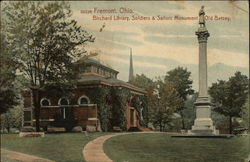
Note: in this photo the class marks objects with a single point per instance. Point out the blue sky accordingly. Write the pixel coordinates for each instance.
(159, 46)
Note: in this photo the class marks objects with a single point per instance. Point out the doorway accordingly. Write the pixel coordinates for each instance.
(132, 118)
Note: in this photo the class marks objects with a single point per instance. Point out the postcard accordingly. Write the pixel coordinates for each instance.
(101, 81)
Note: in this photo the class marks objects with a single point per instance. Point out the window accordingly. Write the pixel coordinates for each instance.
(27, 116)
(45, 102)
(88, 69)
(83, 100)
(102, 72)
(94, 69)
(63, 101)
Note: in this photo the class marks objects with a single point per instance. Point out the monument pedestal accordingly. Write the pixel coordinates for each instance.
(203, 124)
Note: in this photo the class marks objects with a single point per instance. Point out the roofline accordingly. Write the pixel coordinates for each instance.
(114, 85)
(103, 66)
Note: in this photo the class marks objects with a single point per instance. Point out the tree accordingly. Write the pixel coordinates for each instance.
(45, 41)
(167, 101)
(230, 96)
(149, 101)
(142, 81)
(162, 99)
(180, 80)
(245, 114)
(8, 98)
(189, 111)
(12, 118)
(8, 93)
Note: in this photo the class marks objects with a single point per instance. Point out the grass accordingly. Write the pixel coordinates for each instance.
(63, 147)
(162, 147)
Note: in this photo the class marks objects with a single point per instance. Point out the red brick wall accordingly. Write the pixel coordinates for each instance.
(82, 114)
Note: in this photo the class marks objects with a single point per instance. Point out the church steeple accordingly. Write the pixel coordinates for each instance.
(131, 70)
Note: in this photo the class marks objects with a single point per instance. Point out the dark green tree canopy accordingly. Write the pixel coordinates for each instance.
(162, 99)
(229, 96)
(142, 81)
(180, 80)
(45, 40)
(8, 92)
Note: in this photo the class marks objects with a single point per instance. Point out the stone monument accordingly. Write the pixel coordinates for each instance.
(203, 124)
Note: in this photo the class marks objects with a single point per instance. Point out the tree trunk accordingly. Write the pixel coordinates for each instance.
(8, 129)
(163, 127)
(182, 120)
(36, 104)
(230, 125)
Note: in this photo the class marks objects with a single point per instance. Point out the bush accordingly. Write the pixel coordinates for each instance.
(12, 118)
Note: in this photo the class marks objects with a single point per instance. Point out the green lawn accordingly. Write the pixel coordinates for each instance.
(161, 147)
(59, 147)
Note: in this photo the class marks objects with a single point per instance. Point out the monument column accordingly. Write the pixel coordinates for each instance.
(203, 124)
(202, 34)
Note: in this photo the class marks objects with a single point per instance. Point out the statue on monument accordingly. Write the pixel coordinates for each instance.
(201, 17)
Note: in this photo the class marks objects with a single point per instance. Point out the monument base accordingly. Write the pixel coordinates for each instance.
(204, 136)
(203, 124)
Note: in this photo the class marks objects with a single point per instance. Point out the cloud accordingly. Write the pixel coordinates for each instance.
(159, 46)
(175, 41)
(174, 29)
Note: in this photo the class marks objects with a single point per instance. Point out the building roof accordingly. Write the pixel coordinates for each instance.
(95, 62)
(92, 78)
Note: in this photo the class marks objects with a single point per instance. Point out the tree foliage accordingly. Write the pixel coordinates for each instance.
(167, 102)
(180, 80)
(139, 102)
(142, 81)
(12, 118)
(8, 98)
(245, 114)
(101, 96)
(162, 100)
(111, 102)
(45, 41)
(230, 96)
(189, 111)
(8, 93)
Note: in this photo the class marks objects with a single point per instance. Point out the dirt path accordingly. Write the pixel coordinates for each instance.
(12, 156)
(93, 151)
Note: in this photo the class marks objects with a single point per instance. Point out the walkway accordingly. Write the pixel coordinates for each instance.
(12, 156)
(93, 151)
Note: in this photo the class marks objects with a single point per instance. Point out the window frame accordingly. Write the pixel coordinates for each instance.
(59, 101)
(41, 101)
(83, 96)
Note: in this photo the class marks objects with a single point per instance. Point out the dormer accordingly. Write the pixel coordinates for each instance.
(92, 66)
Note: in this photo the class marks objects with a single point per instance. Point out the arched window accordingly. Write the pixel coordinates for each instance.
(83, 100)
(45, 102)
(63, 101)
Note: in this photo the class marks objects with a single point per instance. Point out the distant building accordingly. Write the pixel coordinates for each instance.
(85, 106)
